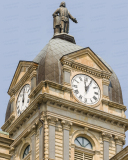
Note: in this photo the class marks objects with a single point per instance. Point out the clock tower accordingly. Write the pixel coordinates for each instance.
(66, 104)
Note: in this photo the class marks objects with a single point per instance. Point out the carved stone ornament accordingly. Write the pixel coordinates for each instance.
(52, 120)
(119, 140)
(66, 125)
(61, 19)
(106, 136)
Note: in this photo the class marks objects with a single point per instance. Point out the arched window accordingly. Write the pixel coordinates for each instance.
(83, 149)
(26, 151)
(83, 142)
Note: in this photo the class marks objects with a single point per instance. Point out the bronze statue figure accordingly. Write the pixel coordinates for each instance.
(61, 19)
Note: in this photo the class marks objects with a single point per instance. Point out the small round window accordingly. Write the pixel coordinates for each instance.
(26, 151)
(83, 142)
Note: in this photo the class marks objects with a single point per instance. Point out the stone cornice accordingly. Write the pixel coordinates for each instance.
(3, 145)
(114, 104)
(5, 140)
(50, 84)
(66, 104)
(28, 131)
(121, 154)
(14, 88)
(87, 125)
(18, 70)
(81, 67)
(8, 122)
(5, 155)
(90, 53)
(12, 99)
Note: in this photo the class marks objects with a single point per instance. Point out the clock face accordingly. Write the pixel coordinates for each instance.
(85, 89)
(23, 100)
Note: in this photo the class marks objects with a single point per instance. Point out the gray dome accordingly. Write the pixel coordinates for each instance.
(50, 68)
(49, 59)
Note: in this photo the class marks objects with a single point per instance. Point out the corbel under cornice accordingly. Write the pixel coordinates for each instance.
(5, 155)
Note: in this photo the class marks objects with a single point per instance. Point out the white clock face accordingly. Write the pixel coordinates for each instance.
(85, 89)
(23, 100)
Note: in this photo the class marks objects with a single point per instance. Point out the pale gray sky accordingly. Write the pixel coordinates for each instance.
(27, 26)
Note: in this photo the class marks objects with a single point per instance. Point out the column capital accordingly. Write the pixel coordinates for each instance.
(119, 140)
(66, 124)
(106, 136)
(52, 120)
(33, 128)
(33, 74)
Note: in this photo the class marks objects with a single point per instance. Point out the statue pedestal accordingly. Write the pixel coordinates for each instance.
(65, 36)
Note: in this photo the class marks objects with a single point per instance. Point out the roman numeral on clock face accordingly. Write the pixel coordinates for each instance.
(94, 98)
(28, 101)
(76, 91)
(80, 97)
(96, 93)
(75, 86)
(95, 87)
(85, 100)
(80, 78)
(76, 81)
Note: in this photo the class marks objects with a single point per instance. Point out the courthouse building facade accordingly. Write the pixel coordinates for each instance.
(66, 104)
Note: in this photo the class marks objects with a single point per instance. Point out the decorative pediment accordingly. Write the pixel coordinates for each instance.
(88, 58)
(21, 70)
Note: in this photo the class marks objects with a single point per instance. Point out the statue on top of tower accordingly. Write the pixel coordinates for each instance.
(61, 19)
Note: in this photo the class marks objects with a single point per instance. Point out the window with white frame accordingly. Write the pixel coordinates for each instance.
(83, 149)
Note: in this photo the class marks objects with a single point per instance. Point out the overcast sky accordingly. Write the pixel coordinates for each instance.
(27, 26)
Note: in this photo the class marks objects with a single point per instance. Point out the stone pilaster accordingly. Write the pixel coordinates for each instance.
(119, 142)
(33, 80)
(106, 138)
(12, 101)
(41, 142)
(66, 127)
(52, 122)
(46, 140)
(33, 141)
(59, 141)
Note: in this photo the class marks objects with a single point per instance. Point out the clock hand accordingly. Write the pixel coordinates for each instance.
(85, 84)
(23, 97)
(89, 85)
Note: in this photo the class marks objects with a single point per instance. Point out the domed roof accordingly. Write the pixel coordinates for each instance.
(50, 67)
(48, 59)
